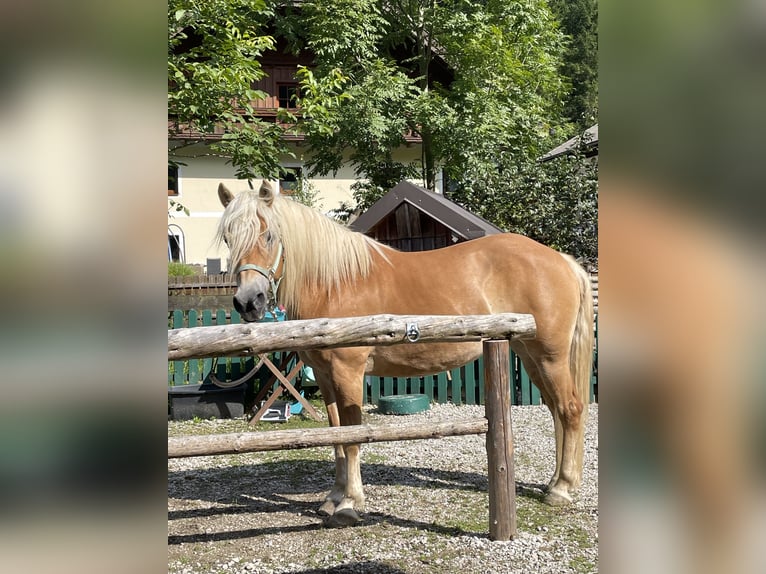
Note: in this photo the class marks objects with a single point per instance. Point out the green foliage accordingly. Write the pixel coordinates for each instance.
(176, 269)
(555, 203)
(373, 85)
(176, 207)
(488, 87)
(385, 173)
(579, 21)
(343, 212)
(213, 62)
(357, 100)
(307, 194)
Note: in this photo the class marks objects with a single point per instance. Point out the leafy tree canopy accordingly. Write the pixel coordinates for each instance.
(502, 90)
(579, 21)
(213, 62)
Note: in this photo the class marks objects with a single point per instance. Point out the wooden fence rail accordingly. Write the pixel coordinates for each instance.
(232, 443)
(302, 335)
(461, 385)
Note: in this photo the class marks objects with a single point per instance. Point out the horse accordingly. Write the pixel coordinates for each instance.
(285, 253)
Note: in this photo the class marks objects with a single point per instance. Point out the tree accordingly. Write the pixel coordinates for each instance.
(579, 21)
(355, 98)
(213, 60)
(555, 202)
(373, 83)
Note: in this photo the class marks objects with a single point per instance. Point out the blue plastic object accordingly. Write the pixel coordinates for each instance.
(297, 407)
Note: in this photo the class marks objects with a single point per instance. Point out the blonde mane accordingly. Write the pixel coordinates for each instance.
(319, 253)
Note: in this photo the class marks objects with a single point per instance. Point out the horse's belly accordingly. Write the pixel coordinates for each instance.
(407, 360)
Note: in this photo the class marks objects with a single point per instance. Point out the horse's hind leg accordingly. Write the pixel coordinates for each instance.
(568, 407)
(554, 378)
(534, 374)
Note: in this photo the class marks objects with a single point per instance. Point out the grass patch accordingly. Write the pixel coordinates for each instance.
(534, 514)
(176, 269)
(556, 523)
(198, 426)
(582, 565)
(372, 457)
(473, 517)
(300, 421)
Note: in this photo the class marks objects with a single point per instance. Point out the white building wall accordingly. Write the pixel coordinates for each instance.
(198, 182)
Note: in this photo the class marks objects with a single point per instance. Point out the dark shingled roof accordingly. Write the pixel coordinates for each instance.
(589, 139)
(462, 222)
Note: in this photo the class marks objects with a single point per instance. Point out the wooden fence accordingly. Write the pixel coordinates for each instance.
(200, 292)
(328, 333)
(464, 385)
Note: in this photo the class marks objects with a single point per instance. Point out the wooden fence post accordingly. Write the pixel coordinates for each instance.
(500, 469)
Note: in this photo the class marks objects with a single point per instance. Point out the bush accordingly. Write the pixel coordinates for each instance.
(177, 269)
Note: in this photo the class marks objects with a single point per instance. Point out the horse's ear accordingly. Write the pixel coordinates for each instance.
(224, 194)
(266, 193)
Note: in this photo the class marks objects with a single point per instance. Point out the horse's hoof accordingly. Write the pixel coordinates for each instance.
(556, 499)
(327, 509)
(342, 518)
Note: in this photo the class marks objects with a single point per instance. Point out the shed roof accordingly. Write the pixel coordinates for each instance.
(461, 221)
(589, 139)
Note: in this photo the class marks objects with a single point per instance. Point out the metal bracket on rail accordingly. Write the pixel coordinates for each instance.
(412, 333)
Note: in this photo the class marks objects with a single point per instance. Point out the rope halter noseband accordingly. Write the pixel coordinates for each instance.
(269, 274)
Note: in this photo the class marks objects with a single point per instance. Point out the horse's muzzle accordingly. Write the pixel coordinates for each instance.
(250, 304)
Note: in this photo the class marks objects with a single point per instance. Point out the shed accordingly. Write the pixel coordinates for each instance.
(411, 218)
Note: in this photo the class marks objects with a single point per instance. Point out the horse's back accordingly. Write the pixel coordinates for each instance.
(495, 274)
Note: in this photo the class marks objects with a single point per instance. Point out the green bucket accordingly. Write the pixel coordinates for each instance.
(403, 404)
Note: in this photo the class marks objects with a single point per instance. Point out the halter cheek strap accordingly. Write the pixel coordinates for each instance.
(269, 273)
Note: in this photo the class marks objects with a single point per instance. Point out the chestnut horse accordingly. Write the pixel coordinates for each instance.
(284, 252)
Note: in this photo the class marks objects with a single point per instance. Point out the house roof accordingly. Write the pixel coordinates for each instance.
(589, 139)
(461, 221)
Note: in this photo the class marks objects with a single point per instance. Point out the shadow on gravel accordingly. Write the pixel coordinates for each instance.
(271, 488)
(241, 534)
(529, 490)
(259, 482)
(373, 567)
(304, 476)
(369, 519)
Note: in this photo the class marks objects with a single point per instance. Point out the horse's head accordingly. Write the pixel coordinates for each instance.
(255, 247)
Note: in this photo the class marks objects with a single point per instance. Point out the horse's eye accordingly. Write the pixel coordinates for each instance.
(268, 237)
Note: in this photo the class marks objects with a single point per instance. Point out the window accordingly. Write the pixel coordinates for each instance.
(172, 181)
(288, 182)
(176, 247)
(286, 94)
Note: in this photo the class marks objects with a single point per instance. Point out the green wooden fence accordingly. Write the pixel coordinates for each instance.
(464, 385)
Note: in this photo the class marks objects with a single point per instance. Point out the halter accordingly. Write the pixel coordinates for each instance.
(267, 273)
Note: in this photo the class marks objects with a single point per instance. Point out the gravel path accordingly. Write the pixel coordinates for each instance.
(427, 507)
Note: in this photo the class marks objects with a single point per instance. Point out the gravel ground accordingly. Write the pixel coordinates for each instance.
(427, 506)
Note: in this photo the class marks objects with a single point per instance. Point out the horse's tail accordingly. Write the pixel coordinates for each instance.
(581, 350)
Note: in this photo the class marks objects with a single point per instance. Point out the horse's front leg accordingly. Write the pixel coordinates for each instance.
(335, 496)
(341, 386)
(347, 510)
